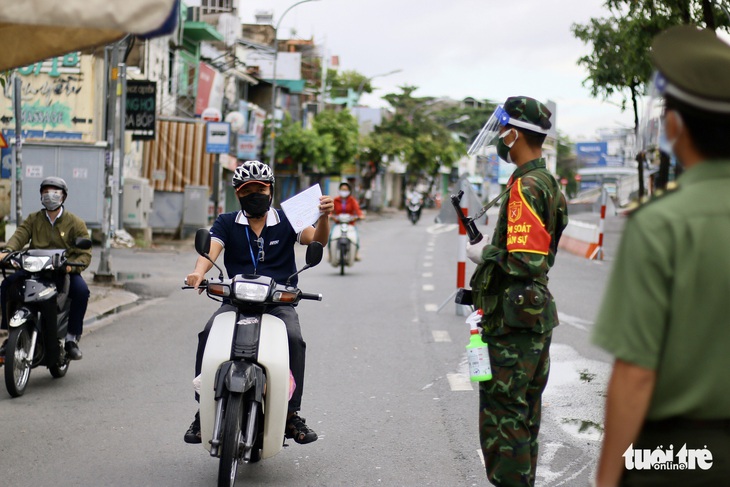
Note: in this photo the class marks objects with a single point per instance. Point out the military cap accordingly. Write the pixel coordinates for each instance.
(695, 66)
(530, 111)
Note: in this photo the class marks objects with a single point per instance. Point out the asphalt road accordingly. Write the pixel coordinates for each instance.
(386, 384)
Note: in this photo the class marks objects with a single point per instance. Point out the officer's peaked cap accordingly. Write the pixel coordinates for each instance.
(695, 65)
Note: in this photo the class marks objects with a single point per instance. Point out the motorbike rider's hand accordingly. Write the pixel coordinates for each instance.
(326, 205)
(474, 252)
(194, 279)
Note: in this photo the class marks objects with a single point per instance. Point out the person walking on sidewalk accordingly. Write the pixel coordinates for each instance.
(664, 316)
(53, 227)
(509, 285)
(260, 240)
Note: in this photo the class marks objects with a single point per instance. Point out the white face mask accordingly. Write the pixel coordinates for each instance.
(52, 199)
(666, 145)
(344, 193)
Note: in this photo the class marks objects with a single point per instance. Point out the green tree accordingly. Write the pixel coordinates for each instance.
(619, 63)
(297, 145)
(343, 129)
(414, 136)
(339, 82)
(567, 163)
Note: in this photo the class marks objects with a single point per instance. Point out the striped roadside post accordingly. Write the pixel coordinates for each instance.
(598, 253)
(462, 310)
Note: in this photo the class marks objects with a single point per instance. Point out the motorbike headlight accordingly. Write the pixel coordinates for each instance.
(35, 264)
(251, 291)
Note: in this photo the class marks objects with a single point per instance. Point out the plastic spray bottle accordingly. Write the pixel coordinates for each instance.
(480, 368)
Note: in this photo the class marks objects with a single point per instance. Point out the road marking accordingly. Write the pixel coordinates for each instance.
(428, 287)
(430, 307)
(427, 274)
(574, 321)
(441, 336)
(442, 228)
(428, 264)
(459, 382)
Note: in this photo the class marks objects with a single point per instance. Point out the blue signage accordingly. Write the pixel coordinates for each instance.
(591, 154)
(217, 137)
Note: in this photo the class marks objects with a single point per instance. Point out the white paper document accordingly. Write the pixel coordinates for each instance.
(302, 209)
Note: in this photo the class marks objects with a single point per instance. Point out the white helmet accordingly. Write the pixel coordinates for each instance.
(252, 171)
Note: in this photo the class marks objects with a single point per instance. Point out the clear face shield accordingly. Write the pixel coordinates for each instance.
(650, 136)
(490, 131)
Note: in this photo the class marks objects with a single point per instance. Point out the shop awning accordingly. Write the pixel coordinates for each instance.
(201, 31)
(293, 85)
(34, 30)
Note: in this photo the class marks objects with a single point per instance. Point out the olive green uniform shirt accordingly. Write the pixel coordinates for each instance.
(666, 305)
(41, 234)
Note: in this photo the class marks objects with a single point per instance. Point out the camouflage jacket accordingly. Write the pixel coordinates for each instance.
(510, 285)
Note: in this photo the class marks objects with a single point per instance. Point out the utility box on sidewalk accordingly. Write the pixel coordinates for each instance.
(195, 209)
(137, 204)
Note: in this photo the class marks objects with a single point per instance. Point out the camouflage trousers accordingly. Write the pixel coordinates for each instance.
(510, 406)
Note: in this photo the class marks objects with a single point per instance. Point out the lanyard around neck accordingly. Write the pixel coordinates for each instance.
(260, 242)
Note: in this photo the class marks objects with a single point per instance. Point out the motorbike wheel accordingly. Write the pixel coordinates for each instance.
(232, 444)
(18, 361)
(58, 371)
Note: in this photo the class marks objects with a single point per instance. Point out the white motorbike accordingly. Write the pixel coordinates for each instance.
(245, 376)
(343, 242)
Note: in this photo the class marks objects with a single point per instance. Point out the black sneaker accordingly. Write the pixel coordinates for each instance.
(73, 352)
(192, 435)
(297, 430)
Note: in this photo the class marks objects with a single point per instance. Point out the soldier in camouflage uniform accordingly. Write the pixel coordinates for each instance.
(510, 286)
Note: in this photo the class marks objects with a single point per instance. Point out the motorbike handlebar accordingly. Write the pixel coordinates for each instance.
(75, 264)
(203, 284)
(312, 296)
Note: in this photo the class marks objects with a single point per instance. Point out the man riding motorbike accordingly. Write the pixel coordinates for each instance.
(260, 240)
(54, 227)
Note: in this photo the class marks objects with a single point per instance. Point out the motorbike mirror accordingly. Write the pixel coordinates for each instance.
(314, 253)
(312, 258)
(202, 247)
(82, 243)
(202, 241)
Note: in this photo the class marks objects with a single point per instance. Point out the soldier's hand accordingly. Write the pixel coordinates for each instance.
(474, 252)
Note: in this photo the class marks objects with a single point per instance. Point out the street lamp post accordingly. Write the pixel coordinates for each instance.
(273, 83)
(362, 83)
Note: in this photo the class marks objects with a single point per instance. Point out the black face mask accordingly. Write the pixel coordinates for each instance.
(255, 204)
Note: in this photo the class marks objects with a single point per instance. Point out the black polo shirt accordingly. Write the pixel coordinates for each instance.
(241, 250)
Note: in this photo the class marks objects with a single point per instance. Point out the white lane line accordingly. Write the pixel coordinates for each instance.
(428, 287)
(428, 264)
(574, 321)
(459, 382)
(427, 274)
(442, 228)
(431, 307)
(441, 336)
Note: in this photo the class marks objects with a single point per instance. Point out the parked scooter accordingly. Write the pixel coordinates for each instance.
(413, 206)
(38, 308)
(245, 378)
(342, 244)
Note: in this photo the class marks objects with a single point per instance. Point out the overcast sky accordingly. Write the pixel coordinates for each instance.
(486, 49)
